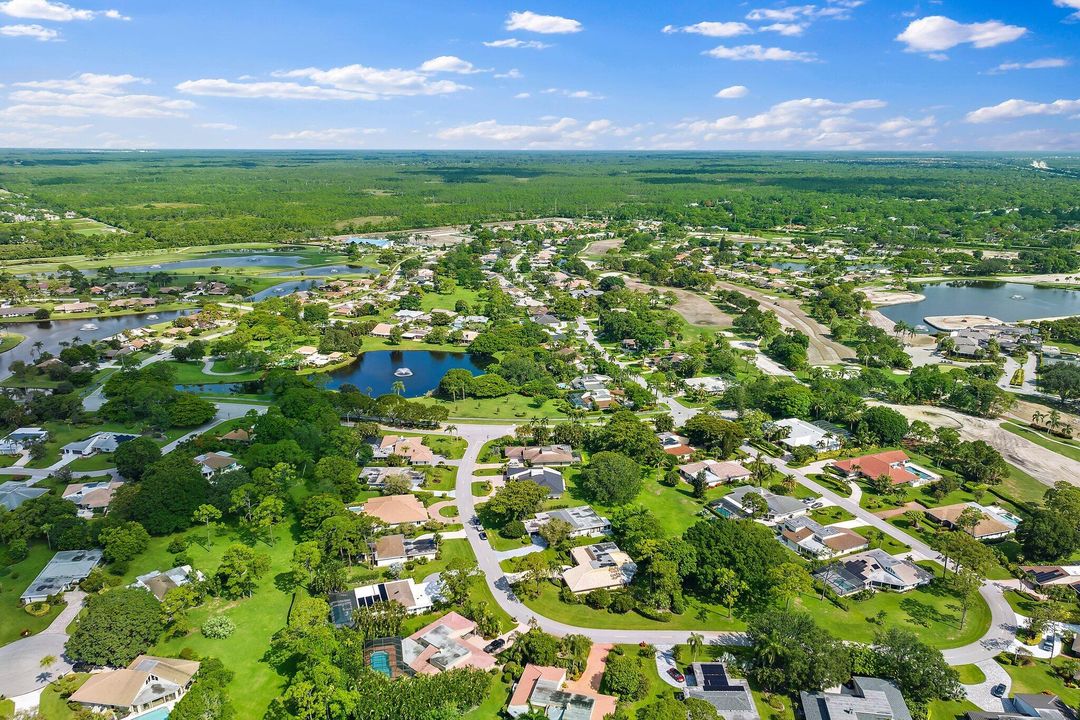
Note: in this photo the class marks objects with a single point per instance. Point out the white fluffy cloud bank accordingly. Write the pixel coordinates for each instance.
(937, 33)
(711, 29)
(33, 31)
(1013, 109)
(556, 132)
(760, 53)
(53, 11)
(544, 24)
(91, 94)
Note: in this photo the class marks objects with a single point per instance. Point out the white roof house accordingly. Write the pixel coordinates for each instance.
(804, 434)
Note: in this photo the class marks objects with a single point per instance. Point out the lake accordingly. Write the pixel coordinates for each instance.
(995, 299)
(209, 261)
(324, 270)
(282, 289)
(374, 371)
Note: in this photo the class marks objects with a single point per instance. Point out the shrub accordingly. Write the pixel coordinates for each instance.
(37, 609)
(178, 544)
(567, 596)
(621, 603)
(598, 599)
(513, 530)
(218, 627)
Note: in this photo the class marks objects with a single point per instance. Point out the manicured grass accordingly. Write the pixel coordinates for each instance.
(488, 472)
(14, 579)
(441, 478)
(480, 489)
(950, 709)
(452, 448)
(489, 453)
(970, 674)
(931, 611)
(549, 605)
(497, 697)
(432, 300)
(191, 373)
(61, 434)
(54, 707)
(830, 481)
(1061, 446)
(511, 408)
(1022, 487)
(1025, 605)
(9, 340)
(100, 461)
(1037, 678)
(831, 514)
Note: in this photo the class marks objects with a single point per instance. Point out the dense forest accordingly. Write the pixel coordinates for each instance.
(191, 198)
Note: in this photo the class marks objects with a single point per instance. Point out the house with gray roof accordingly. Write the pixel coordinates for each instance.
(584, 521)
(730, 696)
(547, 477)
(105, 442)
(780, 507)
(875, 569)
(14, 493)
(66, 570)
(1042, 706)
(866, 697)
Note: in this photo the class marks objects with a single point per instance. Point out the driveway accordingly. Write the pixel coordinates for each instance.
(981, 694)
(20, 661)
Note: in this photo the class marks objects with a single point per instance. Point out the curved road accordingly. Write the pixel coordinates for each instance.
(20, 661)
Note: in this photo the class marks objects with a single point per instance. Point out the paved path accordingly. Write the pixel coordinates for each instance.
(999, 637)
(208, 368)
(20, 661)
(665, 660)
(982, 694)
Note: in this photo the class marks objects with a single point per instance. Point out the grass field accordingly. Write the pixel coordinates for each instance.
(1068, 448)
(14, 579)
(831, 514)
(9, 340)
(511, 408)
(970, 674)
(1038, 678)
(191, 373)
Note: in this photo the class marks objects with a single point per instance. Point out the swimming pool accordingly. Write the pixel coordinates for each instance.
(380, 662)
(158, 713)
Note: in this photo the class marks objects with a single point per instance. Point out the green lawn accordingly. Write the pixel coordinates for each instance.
(549, 605)
(1037, 678)
(1022, 487)
(100, 461)
(831, 514)
(441, 478)
(14, 579)
(480, 488)
(497, 697)
(61, 434)
(431, 300)
(1068, 448)
(931, 611)
(54, 707)
(9, 340)
(191, 373)
(950, 709)
(511, 408)
(970, 674)
(452, 448)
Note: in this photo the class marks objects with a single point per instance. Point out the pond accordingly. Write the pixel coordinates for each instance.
(1002, 300)
(373, 372)
(325, 270)
(282, 289)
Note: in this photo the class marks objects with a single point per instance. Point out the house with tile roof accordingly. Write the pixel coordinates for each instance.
(893, 464)
(716, 472)
(395, 510)
(544, 688)
(147, 682)
(599, 566)
(812, 539)
(92, 498)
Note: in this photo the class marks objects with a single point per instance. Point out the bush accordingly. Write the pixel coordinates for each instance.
(513, 530)
(178, 544)
(37, 609)
(598, 599)
(621, 602)
(567, 596)
(218, 627)
(188, 653)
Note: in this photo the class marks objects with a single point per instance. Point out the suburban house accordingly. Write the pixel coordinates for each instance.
(237, 435)
(395, 510)
(445, 644)
(674, 444)
(397, 549)
(63, 572)
(147, 682)
(159, 583)
(716, 472)
(14, 493)
(711, 385)
(709, 681)
(894, 464)
(92, 498)
(212, 464)
(544, 455)
(1041, 706)
(598, 566)
(803, 434)
(779, 507)
(812, 539)
(376, 477)
(413, 597)
(545, 689)
(547, 477)
(21, 439)
(873, 569)
(105, 442)
(584, 521)
(866, 697)
(1044, 576)
(995, 523)
(410, 448)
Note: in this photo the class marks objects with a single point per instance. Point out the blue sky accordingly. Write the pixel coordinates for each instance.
(635, 74)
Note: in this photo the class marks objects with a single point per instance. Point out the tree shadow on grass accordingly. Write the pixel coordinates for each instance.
(923, 614)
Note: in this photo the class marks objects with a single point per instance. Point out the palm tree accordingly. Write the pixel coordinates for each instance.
(37, 348)
(451, 429)
(398, 387)
(1037, 417)
(1054, 421)
(695, 641)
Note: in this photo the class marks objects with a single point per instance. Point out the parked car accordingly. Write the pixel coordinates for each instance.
(483, 535)
(998, 690)
(1047, 644)
(676, 675)
(494, 646)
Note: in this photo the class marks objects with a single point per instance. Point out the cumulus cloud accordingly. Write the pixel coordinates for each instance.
(711, 29)
(523, 96)
(733, 92)
(1071, 5)
(511, 74)
(1040, 64)
(350, 82)
(834, 9)
(936, 33)
(558, 132)
(37, 32)
(574, 94)
(516, 43)
(1013, 109)
(449, 64)
(54, 11)
(545, 24)
(808, 122)
(760, 53)
(91, 94)
(327, 136)
(786, 29)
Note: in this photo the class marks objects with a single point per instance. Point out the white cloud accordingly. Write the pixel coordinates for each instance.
(218, 126)
(21, 133)
(1071, 5)
(54, 11)
(91, 94)
(936, 33)
(522, 96)
(807, 122)
(558, 132)
(511, 74)
(37, 32)
(573, 94)
(449, 64)
(785, 29)
(711, 29)
(834, 9)
(1040, 64)
(759, 53)
(516, 43)
(733, 92)
(545, 24)
(328, 136)
(1012, 109)
(350, 82)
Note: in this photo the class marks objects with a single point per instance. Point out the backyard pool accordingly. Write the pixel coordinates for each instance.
(380, 662)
